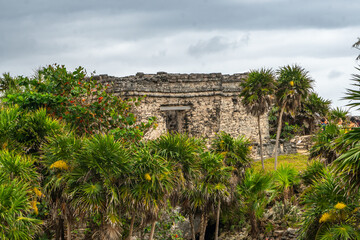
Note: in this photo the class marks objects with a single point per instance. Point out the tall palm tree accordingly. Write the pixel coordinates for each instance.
(183, 153)
(151, 185)
(294, 85)
(59, 156)
(313, 109)
(215, 185)
(257, 95)
(100, 170)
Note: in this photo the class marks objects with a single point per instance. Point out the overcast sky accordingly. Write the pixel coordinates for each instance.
(123, 37)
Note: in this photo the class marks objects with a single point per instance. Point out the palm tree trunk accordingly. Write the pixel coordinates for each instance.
(59, 232)
(253, 223)
(203, 225)
(192, 226)
(152, 230)
(68, 230)
(202, 220)
(131, 226)
(278, 133)
(261, 144)
(217, 221)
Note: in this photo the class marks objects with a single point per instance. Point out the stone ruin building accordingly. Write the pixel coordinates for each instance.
(198, 104)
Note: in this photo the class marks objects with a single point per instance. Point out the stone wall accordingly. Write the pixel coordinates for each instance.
(199, 104)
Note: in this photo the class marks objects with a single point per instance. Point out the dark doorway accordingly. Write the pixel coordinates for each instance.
(176, 118)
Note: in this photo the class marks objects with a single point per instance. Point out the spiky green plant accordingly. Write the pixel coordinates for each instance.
(319, 201)
(26, 131)
(180, 150)
(256, 191)
(339, 232)
(313, 172)
(15, 210)
(236, 151)
(353, 95)
(337, 114)
(324, 143)
(18, 179)
(285, 178)
(215, 186)
(59, 156)
(312, 110)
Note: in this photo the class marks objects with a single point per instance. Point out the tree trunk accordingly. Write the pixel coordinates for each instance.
(217, 221)
(192, 226)
(59, 231)
(131, 226)
(202, 220)
(203, 225)
(261, 144)
(152, 230)
(68, 230)
(254, 225)
(278, 132)
(62, 230)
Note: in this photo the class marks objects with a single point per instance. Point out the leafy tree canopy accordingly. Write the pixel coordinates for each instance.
(88, 105)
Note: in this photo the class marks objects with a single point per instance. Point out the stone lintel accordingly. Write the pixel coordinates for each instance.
(172, 108)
